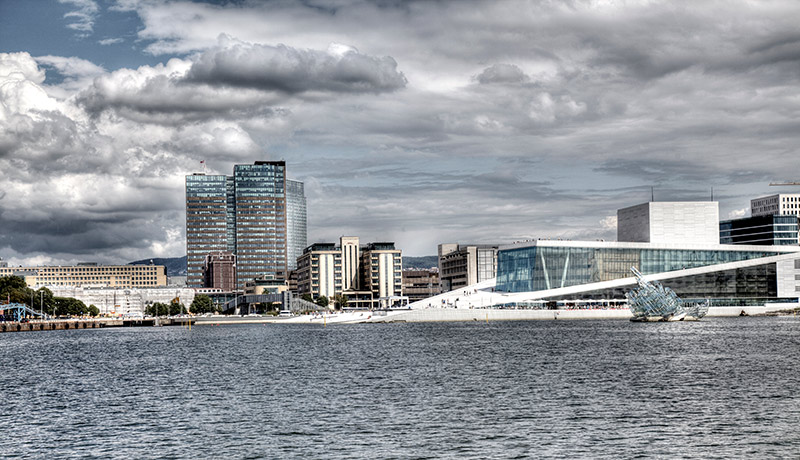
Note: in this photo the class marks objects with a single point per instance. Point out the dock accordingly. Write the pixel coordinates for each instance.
(66, 324)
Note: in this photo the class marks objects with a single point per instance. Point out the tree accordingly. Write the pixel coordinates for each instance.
(307, 297)
(201, 304)
(322, 301)
(176, 308)
(340, 301)
(157, 309)
(14, 289)
(93, 311)
(67, 306)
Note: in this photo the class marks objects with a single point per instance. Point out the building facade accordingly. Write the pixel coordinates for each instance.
(669, 222)
(219, 271)
(296, 222)
(420, 284)
(117, 276)
(206, 222)
(370, 275)
(725, 274)
(781, 204)
(760, 230)
(125, 302)
(247, 214)
(464, 265)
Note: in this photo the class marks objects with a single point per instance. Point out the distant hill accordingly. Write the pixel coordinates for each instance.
(420, 262)
(176, 266)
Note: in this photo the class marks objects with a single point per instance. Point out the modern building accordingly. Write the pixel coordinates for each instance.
(206, 222)
(781, 204)
(669, 222)
(370, 275)
(778, 230)
(90, 274)
(296, 225)
(247, 214)
(219, 271)
(420, 284)
(382, 273)
(736, 275)
(464, 265)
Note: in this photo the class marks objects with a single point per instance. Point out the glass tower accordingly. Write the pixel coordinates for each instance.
(255, 214)
(296, 227)
(206, 217)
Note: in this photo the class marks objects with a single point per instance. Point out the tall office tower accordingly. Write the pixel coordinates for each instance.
(351, 260)
(245, 215)
(296, 226)
(260, 191)
(206, 217)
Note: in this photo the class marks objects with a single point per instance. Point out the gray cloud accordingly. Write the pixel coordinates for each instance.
(289, 70)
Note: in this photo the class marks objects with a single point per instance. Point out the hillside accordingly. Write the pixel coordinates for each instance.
(176, 266)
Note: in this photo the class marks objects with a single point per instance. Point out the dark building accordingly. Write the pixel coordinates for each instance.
(420, 284)
(760, 230)
(220, 271)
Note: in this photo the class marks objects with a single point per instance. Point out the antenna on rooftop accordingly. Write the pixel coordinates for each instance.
(781, 184)
(712, 193)
(652, 194)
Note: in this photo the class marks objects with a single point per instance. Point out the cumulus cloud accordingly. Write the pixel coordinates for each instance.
(502, 73)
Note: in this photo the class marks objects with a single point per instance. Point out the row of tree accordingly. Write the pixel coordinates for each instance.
(339, 300)
(13, 289)
(201, 304)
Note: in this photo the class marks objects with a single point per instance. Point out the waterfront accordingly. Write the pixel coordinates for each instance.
(722, 387)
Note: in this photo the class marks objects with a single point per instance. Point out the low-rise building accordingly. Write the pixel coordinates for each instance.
(91, 274)
(219, 270)
(781, 204)
(420, 284)
(462, 265)
(125, 301)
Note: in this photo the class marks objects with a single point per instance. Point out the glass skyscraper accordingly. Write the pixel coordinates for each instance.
(296, 226)
(245, 214)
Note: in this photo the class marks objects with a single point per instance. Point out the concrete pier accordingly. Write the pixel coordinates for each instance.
(66, 324)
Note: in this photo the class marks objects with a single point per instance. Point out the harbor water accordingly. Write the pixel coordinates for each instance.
(721, 387)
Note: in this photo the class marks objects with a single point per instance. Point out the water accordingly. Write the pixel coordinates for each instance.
(578, 389)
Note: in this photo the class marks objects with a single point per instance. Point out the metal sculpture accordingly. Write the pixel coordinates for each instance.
(651, 301)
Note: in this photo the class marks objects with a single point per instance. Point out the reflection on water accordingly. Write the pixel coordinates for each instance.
(720, 387)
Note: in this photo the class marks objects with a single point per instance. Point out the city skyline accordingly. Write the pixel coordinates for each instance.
(418, 123)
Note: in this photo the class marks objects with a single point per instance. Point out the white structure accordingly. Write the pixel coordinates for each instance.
(782, 204)
(124, 302)
(351, 259)
(670, 222)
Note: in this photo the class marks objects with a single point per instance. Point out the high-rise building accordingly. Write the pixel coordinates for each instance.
(781, 204)
(296, 225)
(206, 222)
(382, 272)
(246, 215)
(772, 230)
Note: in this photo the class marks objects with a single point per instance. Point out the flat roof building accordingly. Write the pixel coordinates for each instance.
(781, 204)
(462, 265)
(692, 222)
(776, 230)
(119, 276)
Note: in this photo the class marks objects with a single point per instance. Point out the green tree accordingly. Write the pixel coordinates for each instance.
(67, 306)
(93, 311)
(157, 309)
(176, 308)
(307, 297)
(322, 301)
(201, 304)
(44, 299)
(14, 289)
(340, 301)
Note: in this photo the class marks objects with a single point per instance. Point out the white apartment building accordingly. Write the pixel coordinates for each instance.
(781, 204)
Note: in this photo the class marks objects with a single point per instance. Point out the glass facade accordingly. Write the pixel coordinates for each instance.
(260, 220)
(762, 230)
(206, 216)
(296, 225)
(244, 214)
(536, 268)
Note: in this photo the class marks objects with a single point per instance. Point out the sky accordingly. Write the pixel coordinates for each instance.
(414, 122)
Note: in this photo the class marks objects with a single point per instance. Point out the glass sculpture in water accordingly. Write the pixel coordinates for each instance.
(651, 301)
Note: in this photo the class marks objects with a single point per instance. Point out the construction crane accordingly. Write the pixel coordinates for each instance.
(780, 184)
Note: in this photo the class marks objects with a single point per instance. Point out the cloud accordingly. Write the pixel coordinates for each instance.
(110, 41)
(82, 17)
(280, 68)
(502, 73)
